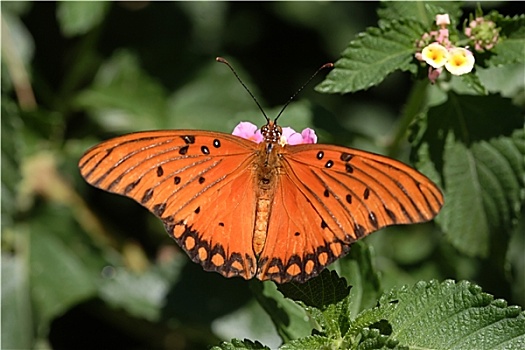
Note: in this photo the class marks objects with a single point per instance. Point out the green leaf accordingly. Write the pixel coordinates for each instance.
(11, 148)
(474, 83)
(59, 279)
(141, 295)
(237, 344)
(422, 11)
(360, 272)
(214, 100)
(325, 299)
(311, 342)
(124, 98)
(506, 80)
(291, 321)
(479, 162)
(511, 45)
(372, 56)
(452, 316)
(319, 292)
(17, 325)
(79, 17)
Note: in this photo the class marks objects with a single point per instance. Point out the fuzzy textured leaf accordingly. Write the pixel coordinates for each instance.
(311, 342)
(237, 344)
(422, 11)
(453, 316)
(372, 56)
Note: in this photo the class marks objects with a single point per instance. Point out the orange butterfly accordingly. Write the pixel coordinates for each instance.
(271, 209)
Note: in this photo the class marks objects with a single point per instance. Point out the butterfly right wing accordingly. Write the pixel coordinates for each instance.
(327, 197)
(199, 183)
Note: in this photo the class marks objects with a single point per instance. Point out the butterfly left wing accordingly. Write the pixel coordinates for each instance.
(199, 183)
(328, 197)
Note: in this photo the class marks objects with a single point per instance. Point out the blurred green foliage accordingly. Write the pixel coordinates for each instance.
(86, 269)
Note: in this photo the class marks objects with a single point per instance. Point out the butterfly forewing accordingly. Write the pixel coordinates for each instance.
(391, 191)
(199, 183)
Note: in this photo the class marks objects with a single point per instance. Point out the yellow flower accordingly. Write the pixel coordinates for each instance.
(435, 55)
(461, 61)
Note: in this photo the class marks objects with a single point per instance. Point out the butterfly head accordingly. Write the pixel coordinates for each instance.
(272, 132)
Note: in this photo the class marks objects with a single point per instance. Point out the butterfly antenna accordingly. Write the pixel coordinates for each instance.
(222, 60)
(324, 66)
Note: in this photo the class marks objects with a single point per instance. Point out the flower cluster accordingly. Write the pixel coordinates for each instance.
(483, 34)
(438, 52)
(249, 131)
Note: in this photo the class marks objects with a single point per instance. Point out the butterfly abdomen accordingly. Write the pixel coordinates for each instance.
(266, 174)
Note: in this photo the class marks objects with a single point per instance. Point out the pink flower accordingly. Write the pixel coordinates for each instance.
(249, 131)
(309, 136)
(433, 74)
(483, 33)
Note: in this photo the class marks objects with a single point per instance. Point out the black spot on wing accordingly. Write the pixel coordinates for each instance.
(391, 215)
(147, 196)
(188, 139)
(158, 209)
(359, 230)
(131, 186)
(345, 157)
(373, 219)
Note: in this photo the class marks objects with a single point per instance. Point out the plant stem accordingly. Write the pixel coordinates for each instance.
(415, 104)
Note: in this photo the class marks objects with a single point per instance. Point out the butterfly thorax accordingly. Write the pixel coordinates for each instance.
(267, 170)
